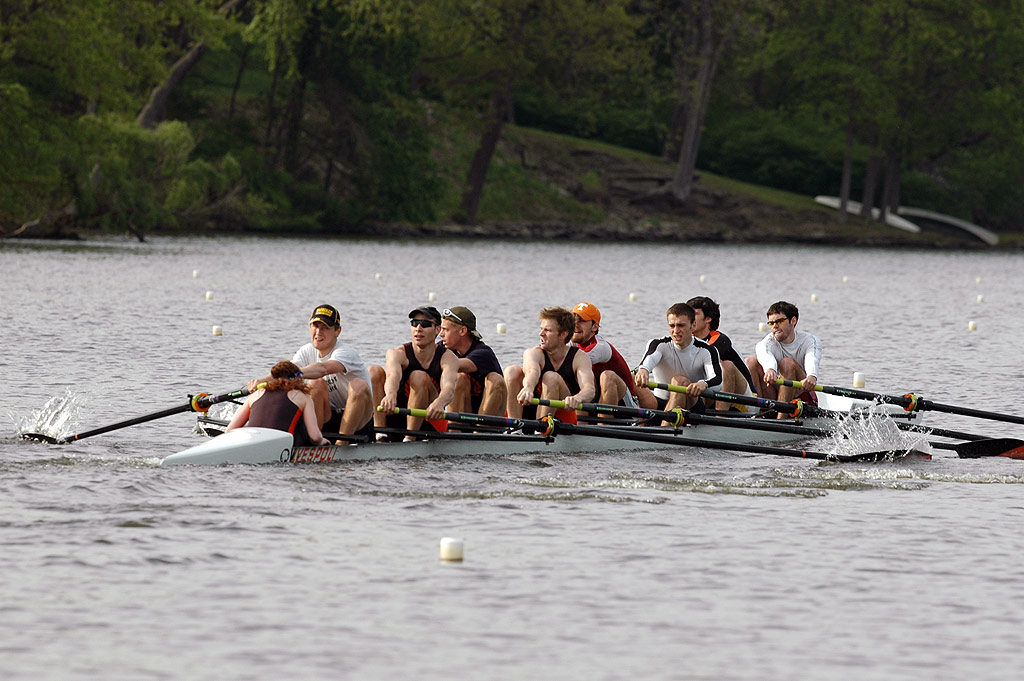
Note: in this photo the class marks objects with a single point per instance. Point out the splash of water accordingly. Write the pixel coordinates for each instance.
(874, 431)
(56, 418)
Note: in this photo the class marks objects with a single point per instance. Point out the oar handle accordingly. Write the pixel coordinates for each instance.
(795, 408)
(676, 417)
(460, 417)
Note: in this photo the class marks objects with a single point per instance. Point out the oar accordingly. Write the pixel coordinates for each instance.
(200, 402)
(1004, 446)
(476, 419)
(910, 402)
(551, 426)
(795, 408)
(681, 417)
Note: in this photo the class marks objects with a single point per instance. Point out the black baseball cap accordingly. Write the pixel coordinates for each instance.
(427, 311)
(326, 314)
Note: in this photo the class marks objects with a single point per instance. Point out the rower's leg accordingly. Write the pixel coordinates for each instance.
(495, 395)
(321, 395)
(788, 368)
(732, 382)
(757, 373)
(422, 392)
(460, 398)
(377, 378)
(645, 397)
(679, 399)
(552, 387)
(612, 387)
(358, 407)
(513, 385)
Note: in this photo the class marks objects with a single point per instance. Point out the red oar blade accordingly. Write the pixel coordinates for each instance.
(1004, 446)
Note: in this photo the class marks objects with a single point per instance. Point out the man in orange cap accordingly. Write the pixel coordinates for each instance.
(612, 376)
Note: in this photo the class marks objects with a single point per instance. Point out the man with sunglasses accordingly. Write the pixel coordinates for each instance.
(337, 377)
(420, 374)
(612, 376)
(785, 353)
(480, 386)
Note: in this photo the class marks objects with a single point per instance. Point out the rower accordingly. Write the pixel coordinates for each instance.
(338, 381)
(420, 374)
(283, 403)
(678, 359)
(480, 386)
(612, 376)
(736, 377)
(552, 370)
(787, 353)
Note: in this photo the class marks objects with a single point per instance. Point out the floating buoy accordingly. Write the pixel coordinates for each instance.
(217, 331)
(632, 297)
(209, 295)
(858, 379)
(981, 298)
(195, 274)
(845, 279)
(500, 328)
(814, 297)
(703, 278)
(431, 296)
(762, 327)
(977, 280)
(451, 549)
(377, 276)
(971, 326)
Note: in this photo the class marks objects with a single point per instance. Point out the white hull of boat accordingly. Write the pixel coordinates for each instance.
(263, 445)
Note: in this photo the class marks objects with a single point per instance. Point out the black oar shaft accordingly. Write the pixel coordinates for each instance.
(910, 402)
(197, 403)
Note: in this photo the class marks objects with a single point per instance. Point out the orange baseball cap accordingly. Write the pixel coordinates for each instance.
(587, 311)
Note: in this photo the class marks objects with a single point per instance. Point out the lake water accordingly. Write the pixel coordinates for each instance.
(666, 564)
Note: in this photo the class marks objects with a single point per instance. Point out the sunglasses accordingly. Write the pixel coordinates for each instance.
(449, 313)
(422, 323)
(776, 322)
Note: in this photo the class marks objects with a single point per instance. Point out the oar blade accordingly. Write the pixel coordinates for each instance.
(1008, 447)
(40, 437)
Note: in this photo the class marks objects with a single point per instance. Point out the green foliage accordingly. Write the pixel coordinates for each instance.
(797, 153)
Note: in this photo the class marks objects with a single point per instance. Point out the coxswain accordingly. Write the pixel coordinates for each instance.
(282, 403)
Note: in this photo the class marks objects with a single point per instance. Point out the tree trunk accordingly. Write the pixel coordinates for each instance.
(871, 174)
(243, 59)
(891, 186)
(289, 150)
(156, 108)
(500, 107)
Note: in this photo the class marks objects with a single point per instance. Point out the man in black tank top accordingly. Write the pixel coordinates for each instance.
(420, 374)
(551, 370)
(736, 376)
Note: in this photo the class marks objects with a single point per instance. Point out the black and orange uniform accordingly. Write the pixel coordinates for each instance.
(275, 410)
(723, 344)
(564, 370)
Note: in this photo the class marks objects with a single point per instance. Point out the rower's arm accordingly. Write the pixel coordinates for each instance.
(323, 368)
(449, 374)
(584, 369)
(394, 364)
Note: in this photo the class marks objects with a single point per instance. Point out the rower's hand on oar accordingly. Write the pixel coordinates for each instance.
(435, 410)
(770, 376)
(253, 384)
(524, 396)
(809, 383)
(572, 402)
(642, 376)
(696, 389)
(388, 404)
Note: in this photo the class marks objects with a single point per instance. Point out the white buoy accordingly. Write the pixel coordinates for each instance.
(845, 279)
(451, 549)
(377, 276)
(971, 326)
(858, 379)
(209, 295)
(500, 328)
(977, 280)
(195, 274)
(632, 297)
(981, 298)
(217, 331)
(762, 327)
(814, 297)
(703, 278)
(431, 296)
